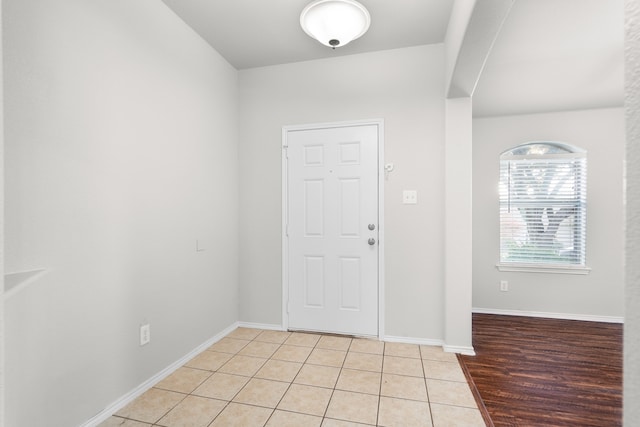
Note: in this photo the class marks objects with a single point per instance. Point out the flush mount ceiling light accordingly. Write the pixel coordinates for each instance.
(335, 22)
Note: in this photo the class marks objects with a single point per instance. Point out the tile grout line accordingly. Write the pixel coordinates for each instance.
(218, 370)
(333, 390)
(294, 378)
(228, 402)
(338, 379)
(285, 392)
(384, 346)
(424, 372)
(290, 383)
(183, 399)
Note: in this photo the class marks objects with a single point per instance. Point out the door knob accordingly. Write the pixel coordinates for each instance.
(372, 227)
(372, 241)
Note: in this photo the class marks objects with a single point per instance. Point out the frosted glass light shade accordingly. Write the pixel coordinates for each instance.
(335, 22)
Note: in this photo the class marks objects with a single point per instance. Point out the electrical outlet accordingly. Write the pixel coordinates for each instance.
(410, 197)
(504, 286)
(145, 334)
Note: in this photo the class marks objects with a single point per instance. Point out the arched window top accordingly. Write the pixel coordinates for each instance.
(542, 148)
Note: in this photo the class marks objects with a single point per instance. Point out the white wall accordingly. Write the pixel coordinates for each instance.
(632, 270)
(458, 269)
(121, 132)
(2, 334)
(405, 87)
(600, 293)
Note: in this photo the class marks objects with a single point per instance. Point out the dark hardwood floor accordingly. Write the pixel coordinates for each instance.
(547, 372)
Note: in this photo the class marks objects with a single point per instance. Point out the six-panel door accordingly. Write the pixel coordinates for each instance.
(333, 229)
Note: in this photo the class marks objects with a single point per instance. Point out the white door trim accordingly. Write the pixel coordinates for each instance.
(285, 220)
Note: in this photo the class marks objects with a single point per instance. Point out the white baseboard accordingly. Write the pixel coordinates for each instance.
(424, 341)
(410, 340)
(267, 326)
(467, 351)
(136, 392)
(564, 316)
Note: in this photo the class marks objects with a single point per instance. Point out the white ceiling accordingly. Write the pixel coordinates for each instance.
(555, 55)
(551, 55)
(255, 33)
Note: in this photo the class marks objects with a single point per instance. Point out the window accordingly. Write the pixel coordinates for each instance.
(543, 199)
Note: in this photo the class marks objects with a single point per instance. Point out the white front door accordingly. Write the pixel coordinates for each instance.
(332, 212)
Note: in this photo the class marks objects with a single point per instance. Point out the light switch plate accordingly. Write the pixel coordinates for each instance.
(410, 197)
(145, 334)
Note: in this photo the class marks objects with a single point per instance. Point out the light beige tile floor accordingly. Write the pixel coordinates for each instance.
(256, 378)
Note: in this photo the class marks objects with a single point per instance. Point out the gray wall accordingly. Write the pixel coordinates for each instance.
(405, 87)
(632, 294)
(122, 146)
(600, 293)
(120, 152)
(2, 333)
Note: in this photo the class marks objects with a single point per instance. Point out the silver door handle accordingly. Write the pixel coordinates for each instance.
(372, 241)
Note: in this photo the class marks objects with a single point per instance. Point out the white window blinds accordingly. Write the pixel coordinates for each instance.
(543, 196)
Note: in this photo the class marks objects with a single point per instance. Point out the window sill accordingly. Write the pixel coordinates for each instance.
(533, 268)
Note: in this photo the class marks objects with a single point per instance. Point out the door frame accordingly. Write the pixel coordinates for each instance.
(285, 220)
